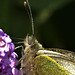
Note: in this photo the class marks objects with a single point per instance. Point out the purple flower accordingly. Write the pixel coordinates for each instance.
(13, 60)
(8, 57)
(16, 72)
(6, 45)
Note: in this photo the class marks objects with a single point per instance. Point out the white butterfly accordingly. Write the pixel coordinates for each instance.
(33, 48)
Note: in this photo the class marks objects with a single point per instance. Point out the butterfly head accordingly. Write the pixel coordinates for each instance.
(32, 41)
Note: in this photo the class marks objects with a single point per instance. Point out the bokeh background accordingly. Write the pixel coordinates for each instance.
(54, 21)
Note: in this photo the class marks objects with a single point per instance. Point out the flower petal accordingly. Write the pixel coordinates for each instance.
(1, 32)
(16, 72)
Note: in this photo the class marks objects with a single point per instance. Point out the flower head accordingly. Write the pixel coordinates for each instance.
(6, 45)
(8, 57)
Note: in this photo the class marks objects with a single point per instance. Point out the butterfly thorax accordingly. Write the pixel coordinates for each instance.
(31, 48)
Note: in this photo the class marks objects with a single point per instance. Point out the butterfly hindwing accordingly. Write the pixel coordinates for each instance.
(64, 58)
(44, 65)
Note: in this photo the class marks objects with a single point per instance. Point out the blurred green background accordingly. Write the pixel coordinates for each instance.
(54, 21)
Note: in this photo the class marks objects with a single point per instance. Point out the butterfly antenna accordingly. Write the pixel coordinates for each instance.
(30, 14)
(17, 38)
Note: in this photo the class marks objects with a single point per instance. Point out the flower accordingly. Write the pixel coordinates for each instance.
(8, 57)
(13, 60)
(16, 72)
(6, 45)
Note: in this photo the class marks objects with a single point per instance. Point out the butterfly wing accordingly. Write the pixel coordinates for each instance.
(64, 58)
(66, 64)
(44, 65)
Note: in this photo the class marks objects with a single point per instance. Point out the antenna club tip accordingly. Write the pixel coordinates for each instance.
(25, 3)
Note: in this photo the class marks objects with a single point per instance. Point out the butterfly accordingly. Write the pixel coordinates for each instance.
(37, 60)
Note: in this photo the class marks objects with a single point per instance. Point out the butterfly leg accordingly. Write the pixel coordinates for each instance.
(21, 69)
